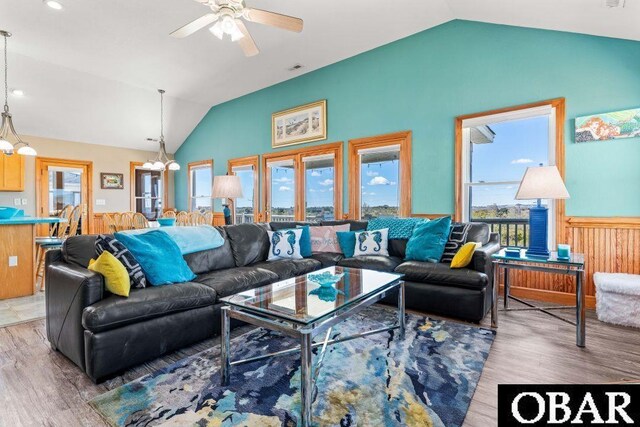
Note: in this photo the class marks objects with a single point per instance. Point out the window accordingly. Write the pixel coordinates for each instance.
(496, 148)
(200, 185)
(245, 209)
(381, 182)
(304, 184)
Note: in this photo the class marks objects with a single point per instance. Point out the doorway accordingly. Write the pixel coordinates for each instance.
(59, 183)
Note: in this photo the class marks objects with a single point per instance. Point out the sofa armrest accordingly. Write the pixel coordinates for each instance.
(69, 289)
(481, 260)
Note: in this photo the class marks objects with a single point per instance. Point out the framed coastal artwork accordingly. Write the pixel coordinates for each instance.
(111, 181)
(298, 125)
(605, 126)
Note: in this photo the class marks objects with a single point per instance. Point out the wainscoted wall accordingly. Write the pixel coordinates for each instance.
(610, 245)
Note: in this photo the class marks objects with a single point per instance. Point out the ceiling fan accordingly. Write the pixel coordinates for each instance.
(228, 16)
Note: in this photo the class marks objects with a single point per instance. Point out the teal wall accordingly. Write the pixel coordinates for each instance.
(421, 83)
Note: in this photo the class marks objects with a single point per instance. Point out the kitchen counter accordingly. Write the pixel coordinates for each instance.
(18, 255)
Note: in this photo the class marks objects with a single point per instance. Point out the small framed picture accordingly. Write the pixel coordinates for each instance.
(111, 181)
(298, 125)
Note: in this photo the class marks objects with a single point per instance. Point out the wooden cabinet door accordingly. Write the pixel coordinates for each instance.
(12, 173)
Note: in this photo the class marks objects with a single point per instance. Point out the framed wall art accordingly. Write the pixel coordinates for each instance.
(111, 181)
(298, 125)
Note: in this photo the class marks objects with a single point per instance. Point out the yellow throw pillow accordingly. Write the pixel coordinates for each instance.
(463, 257)
(116, 278)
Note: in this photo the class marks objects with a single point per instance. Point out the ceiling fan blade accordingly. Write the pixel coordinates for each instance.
(246, 43)
(194, 26)
(265, 17)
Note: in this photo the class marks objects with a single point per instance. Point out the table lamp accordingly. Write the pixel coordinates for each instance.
(227, 187)
(542, 182)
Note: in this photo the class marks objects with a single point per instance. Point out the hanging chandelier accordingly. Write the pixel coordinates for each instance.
(162, 161)
(7, 122)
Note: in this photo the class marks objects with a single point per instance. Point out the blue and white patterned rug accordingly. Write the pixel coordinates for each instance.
(427, 379)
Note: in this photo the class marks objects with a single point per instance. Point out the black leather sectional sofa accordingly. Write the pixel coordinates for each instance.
(105, 334)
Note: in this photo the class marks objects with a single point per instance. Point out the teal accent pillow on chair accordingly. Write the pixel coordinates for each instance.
(347, 242)
(159, 256)
(428, 240)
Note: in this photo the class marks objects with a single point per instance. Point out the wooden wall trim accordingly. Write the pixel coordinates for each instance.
(603, 222)
(197, 164)
(253, 161)
(562, 298)
(404, 186)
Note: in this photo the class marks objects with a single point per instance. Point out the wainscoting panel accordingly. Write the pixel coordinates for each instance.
(610, 245)
(99, 226)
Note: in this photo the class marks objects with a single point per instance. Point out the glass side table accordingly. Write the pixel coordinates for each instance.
(574, 266)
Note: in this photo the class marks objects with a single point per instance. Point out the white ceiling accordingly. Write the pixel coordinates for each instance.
(90, 72)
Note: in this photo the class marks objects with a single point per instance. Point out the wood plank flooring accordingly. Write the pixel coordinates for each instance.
(40, 387)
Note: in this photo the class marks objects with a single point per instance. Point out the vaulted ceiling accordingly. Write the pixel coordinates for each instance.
(90, 71)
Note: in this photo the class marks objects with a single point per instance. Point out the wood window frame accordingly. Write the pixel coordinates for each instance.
(253, 161)
(132, 186)
(404, 186)
(191, 166)
(42, 195)
(560, 112)
(335, 148)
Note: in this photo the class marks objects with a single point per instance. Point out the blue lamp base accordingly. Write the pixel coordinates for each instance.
(538, 232)
(227, 215)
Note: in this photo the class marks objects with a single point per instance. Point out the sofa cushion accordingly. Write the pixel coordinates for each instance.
(79, 250)
(479, 232)
(372, 262)
(287, 268)
(284, 225)
(398, 247)
(143, 304)
(238, 279)
(249, 243)
(440, 274)
(353, 224)
(327, 259)
(212, 259)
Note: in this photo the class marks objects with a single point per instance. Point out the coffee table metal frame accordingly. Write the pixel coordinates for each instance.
(304, 333)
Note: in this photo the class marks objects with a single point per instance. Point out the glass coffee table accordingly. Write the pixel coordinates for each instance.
(301, 308)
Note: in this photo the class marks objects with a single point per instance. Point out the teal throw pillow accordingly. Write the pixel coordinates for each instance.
(428, 240)
(159, 256)
(305, 241)
(399, 228)
(347, 242)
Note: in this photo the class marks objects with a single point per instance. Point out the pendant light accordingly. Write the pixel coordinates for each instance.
(7, 122)
(162, 161)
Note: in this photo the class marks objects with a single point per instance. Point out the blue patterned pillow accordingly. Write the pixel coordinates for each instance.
(371, 243)
(122, 254)
(285, 244)
(399, 228)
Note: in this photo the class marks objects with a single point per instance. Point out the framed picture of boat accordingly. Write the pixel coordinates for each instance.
(298, 125)
(605, 126)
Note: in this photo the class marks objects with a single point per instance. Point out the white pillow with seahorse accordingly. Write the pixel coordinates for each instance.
(285, 244)
(373, 242)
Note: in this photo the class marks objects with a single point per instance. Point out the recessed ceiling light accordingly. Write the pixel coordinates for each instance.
(53, 4)
(17, 92)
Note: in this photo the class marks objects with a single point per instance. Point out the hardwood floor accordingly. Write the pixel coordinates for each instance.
(39, 386)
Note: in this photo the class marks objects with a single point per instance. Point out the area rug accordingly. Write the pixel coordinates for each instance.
(427, 379)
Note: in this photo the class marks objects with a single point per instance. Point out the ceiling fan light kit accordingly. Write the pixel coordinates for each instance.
(227, 18)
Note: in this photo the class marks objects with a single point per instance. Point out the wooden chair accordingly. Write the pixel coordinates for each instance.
(126, 221)
(72, 217)
(169, 214)
(196, 218)
(140, 221)
(208, 217)
(182, 218)
(109, 223)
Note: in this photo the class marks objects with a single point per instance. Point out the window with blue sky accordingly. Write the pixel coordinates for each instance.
(244, 206)
(319, 178)
(201, 183)
(283, 190)
(379, 177)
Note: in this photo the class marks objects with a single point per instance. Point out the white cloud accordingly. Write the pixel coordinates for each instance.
(364, 193)
(284, 188)
(315, 173)
(312, 190)
(372, 173)
(380, 180)
(331, 189)
(521, 161)
(283, 180)
(327, 182)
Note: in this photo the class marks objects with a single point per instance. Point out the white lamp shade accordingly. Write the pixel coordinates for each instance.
(227, 187)
(5, 145)
(542, 182)
(27, 150)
